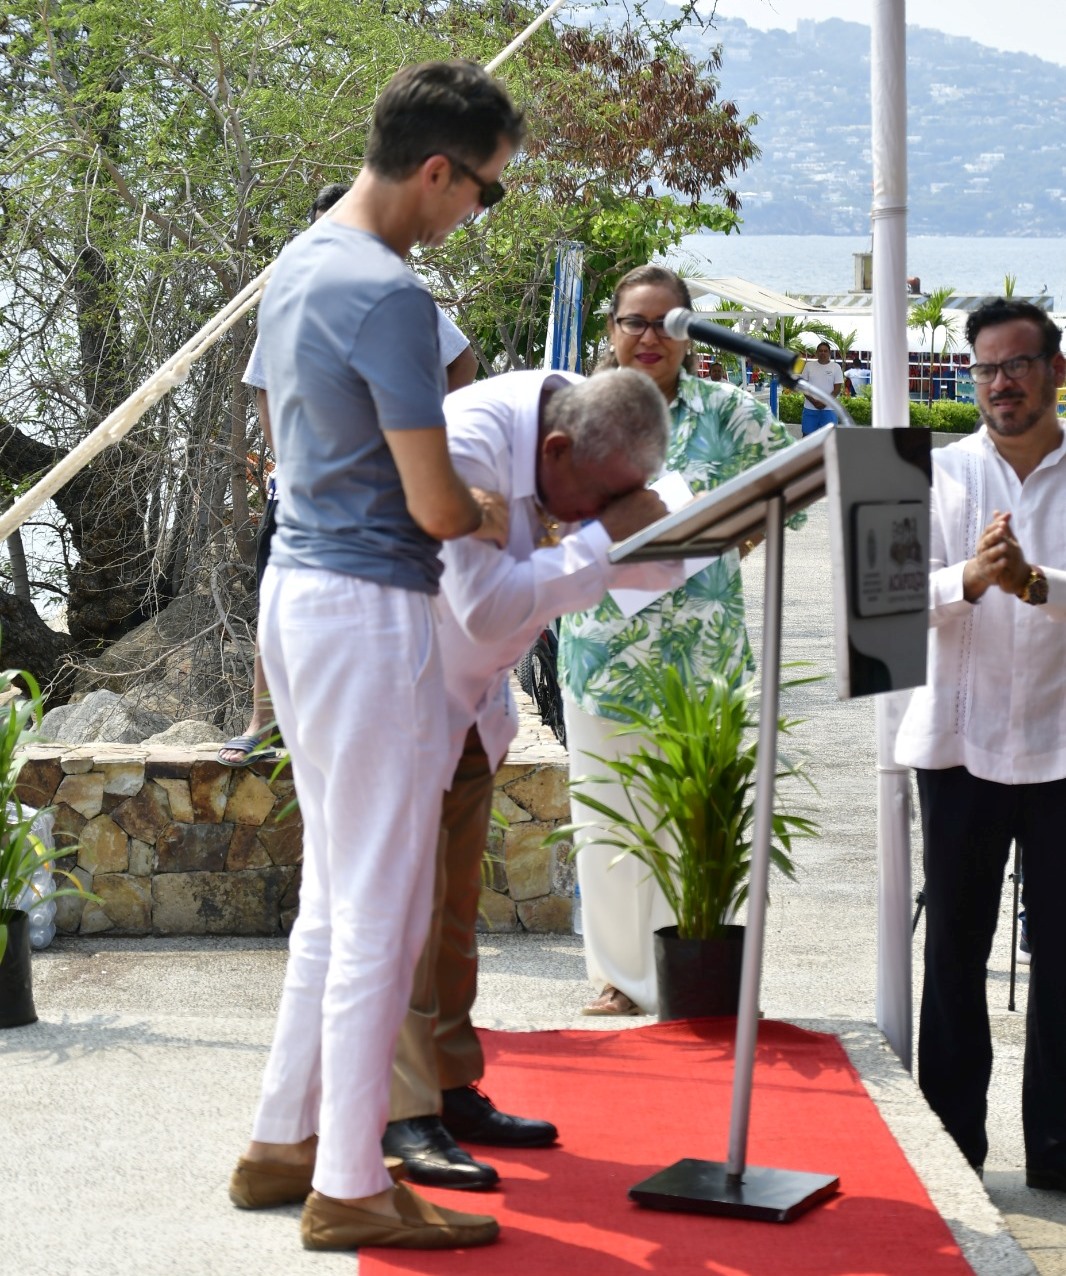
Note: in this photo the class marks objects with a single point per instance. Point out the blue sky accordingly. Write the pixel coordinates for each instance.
(1025, 26)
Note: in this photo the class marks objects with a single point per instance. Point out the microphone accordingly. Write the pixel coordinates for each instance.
(681, 324)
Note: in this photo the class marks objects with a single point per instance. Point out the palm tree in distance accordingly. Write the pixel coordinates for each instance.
(840, 340)
(932, 313)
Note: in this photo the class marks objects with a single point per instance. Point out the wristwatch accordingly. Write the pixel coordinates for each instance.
(1035, 588)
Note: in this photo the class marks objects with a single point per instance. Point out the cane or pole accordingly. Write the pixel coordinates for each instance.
(1017, 876)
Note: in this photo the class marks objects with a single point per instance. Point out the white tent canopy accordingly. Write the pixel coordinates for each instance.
(763, 303)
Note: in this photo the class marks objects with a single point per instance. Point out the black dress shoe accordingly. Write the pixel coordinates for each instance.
(1050, 1180)
(472, 1116)
(433, 1158)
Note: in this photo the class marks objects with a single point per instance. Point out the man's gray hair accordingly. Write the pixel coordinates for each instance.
(617, 411)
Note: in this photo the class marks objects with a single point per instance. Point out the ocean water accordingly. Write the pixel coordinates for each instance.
(824, 264)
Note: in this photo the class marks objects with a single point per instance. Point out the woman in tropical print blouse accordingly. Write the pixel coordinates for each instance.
(717, 431)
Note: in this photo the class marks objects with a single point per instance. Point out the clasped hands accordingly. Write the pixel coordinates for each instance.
(999, 561)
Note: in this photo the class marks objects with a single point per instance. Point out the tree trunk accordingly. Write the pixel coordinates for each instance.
(20, 577)
(26, 642)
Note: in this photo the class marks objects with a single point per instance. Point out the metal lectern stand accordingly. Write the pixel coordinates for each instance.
(734, 1187)
(878, 485)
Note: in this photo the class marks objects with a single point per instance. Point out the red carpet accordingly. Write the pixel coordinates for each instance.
(632, 1102)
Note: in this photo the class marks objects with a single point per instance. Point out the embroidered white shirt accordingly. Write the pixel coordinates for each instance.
(493, 603)
(995, 699)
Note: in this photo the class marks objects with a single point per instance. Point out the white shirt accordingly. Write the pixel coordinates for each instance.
(995, 700)
(826, 376)
(493, 603)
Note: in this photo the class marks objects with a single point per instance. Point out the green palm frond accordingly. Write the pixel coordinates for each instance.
(689, 787)
(21, 852)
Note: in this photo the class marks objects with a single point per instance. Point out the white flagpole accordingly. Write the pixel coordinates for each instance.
(888, 100)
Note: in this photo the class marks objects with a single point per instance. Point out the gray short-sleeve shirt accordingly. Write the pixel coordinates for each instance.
(349, 343)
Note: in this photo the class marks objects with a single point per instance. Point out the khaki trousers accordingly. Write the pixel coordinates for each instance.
(438, 1047)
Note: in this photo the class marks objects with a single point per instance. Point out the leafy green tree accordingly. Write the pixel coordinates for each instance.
(932, 314)
(629, 150)
(840, 340)
(159, 153)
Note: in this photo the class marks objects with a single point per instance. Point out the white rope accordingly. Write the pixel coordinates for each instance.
(521, 39)
(176, 369)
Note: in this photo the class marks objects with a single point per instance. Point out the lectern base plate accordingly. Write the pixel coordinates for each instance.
(705, 1187)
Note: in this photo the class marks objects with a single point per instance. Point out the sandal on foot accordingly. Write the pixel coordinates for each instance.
(612, 1002)
(251, 748)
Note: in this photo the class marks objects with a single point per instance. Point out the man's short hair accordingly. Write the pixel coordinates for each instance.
(1005, 309)
(621, 410)
(823, 343)
(326, 198)
(440, 108)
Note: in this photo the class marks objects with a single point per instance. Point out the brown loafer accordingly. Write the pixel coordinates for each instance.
(612, 1002)
(261, 1185)
(327, 1224)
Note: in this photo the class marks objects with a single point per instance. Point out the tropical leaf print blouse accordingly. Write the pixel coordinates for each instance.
(716, 432)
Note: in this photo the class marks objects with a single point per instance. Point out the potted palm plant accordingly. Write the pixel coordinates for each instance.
(21, 854)
(690, 789)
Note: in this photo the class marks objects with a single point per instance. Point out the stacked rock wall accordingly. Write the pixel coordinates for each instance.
(173, 843)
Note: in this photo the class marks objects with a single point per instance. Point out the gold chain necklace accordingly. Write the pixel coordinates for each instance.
(551, 528)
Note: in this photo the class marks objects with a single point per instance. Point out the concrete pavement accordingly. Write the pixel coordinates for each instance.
(127, 1104)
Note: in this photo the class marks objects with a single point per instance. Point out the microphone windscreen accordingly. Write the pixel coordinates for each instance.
(675, 325)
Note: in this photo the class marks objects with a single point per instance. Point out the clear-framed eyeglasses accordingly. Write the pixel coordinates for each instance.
(1016, 369)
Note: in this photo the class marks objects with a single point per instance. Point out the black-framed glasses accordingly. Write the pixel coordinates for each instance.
(637, 325)
(488, 193)
(1016, 369)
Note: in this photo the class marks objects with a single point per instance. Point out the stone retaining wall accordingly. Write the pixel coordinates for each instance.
(176, 844)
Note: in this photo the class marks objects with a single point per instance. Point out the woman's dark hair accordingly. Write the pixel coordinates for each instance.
(660, 277)
(326, 198)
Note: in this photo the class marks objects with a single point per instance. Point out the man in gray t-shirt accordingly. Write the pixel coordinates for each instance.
(366, 354)
(348, 639)
(460, 366)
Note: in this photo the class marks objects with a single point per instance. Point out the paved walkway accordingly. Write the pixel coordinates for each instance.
(126, 1105)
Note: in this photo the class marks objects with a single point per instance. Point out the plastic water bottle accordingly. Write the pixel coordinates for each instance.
(575, 913)
(41, 924)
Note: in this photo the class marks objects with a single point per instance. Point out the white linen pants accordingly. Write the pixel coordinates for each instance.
(621, 906)
(355, 679)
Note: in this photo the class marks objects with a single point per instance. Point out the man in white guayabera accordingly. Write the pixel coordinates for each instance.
(987, 733)
(571, 457)
(367, 494)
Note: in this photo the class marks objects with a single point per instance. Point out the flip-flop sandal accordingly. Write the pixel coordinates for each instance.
(612, 1001)
(251, 746)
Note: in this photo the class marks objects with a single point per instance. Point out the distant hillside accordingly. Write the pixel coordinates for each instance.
(986, 130)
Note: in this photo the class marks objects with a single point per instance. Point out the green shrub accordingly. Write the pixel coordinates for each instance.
(955, 418)
(860, 408)
(945, 414)
(790, 407)
(921, 414)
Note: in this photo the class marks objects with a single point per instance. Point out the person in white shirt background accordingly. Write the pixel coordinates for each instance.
(824, 373)
(987, 733)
